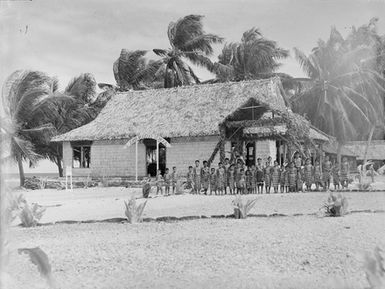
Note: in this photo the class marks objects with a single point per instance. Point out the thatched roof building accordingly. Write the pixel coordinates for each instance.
(376, 150)
(184, 111)
(175, 127)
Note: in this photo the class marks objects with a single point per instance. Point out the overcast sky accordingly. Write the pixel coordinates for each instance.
(65, 38)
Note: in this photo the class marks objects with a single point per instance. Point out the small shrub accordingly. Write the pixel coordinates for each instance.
(30, 216)
(42, 183)
(375, 269)
(364, 186)
(134, 212)
(336, 206)
(242, 208)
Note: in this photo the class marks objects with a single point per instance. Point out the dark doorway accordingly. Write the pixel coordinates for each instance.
(250, 154)
(151, 157)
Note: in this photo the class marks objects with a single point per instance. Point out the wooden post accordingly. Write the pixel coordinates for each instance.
(136, 160)
(157, 156)
(222, 132)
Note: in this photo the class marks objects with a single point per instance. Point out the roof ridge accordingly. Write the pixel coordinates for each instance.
(200, 85)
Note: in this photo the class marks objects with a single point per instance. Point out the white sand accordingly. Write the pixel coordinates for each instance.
(282, 252)
(288, 252)
(104, 203)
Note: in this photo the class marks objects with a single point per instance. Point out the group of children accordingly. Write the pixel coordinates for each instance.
(236, 178)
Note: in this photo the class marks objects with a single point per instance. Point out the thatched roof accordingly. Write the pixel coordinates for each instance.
(184, 111)
(376, 150)
(332, 147)
(277, 126)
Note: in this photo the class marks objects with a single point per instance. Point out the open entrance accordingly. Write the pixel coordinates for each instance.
(250, 153)
(151, 157)
(154, 145)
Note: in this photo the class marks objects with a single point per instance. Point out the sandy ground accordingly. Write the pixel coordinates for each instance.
(104, 203)
(282, 252)
(275, 252)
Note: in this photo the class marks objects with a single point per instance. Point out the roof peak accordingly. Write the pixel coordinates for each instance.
(205, 85)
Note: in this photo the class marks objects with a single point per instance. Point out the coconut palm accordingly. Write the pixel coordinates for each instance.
(254, 57)
(368, 35)
(344, 98)
(23, 91)
(65, 111)
(133, 71)
(190, 42)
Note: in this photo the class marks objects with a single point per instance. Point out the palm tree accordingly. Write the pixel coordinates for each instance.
(22, 92)
(344, 98)
(65, 111)
(133, 71)
(254, 57)
(190, 42)
(368, 35)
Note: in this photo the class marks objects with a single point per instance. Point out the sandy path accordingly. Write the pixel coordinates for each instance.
(288, 252)
(104, 203)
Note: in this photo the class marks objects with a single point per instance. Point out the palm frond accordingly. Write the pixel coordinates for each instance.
(305, 63)
(82, 87)
(202, 43)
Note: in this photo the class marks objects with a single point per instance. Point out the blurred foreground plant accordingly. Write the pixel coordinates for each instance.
(242, 207)
(40, 259)
(134, 212)
(375, 269)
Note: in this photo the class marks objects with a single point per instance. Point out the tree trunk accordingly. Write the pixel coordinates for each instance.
(59, 166)
(222, 153)
(21, 169)
(368, 143)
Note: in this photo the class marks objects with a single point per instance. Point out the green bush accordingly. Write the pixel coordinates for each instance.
(133, 211)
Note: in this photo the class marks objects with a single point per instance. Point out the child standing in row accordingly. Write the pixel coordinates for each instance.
(345, 173)
(292, 177)
(213, 182)
(308, 172)
(259, 176)
(231, 179)
(205, 177)
(336, 176)
(267, 174)
(317, 175)
(197, 177)
(190, 179)
(174, 179)
(221, 178)
(159, 182)
(167, 182)
(275, 176)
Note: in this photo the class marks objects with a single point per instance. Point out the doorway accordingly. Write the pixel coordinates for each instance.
(151, 157)
(250, 154)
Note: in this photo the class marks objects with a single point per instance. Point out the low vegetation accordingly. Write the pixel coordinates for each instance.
(375, 269)
(242, 207)
(31, 215)
(335, 206)
(133, 211)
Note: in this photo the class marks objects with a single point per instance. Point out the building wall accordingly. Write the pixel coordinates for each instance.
(184, 151)
(109, 158)
(265, 149)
